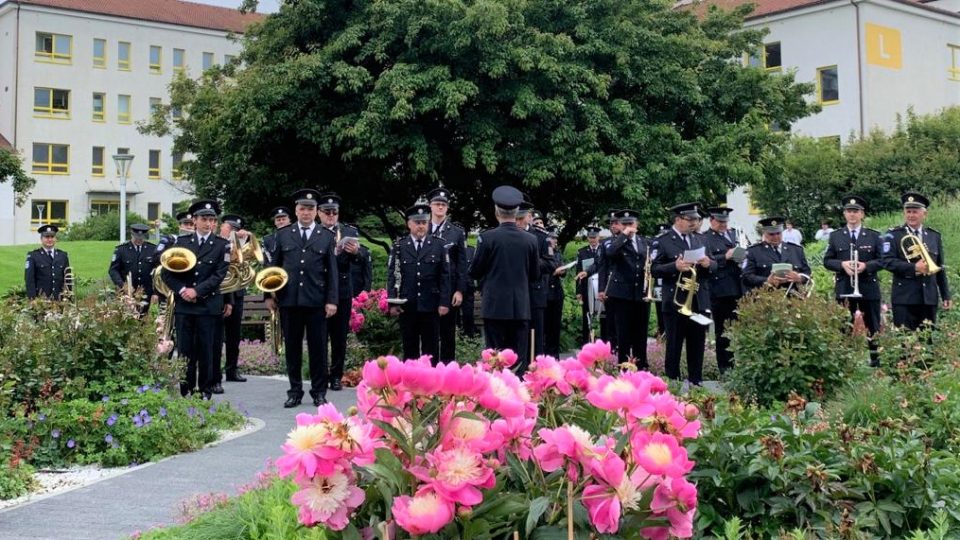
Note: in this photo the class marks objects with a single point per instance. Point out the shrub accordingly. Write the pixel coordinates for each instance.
(16, 479)
(785, 345)
(104, 226)
(258, 358)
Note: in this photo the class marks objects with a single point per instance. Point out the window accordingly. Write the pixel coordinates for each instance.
(99, 107)
(228, 59)
(177, 160)
(154, 165)
(100, 207)
(153, 211)
(123, 56)
(48, 213)
(207, 60)
(51, 158)
(100, 53)
(954, 62)
(828, 85)
(176, 112)
(178, 60)
(51, 103)
(56, 48)
(123, 109)
(771, 56)
(156, 55)
(97, 168)
(154, 105)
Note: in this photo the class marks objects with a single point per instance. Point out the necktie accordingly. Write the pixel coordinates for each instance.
(303, 233)
(853, 236)
(418, 245)
(50, 253)
(686, 240)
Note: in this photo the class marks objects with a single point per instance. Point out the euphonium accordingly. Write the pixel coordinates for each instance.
(240, 273)
(648, 278)
(251, 250)
(690, 285)
(271, 279)
(178, 259)
(914, 250)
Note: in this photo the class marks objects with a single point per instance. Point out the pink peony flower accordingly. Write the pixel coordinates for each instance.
(468, 429)
(507, 396)
(516, 434)
(328, 500)
(629, 392)
(614, 491)
(424, 513)
(457, 380)
(660, 454)
(299, 456)
(677, 499)
(386, 371)
(545, 374)
(595, 354)
(420, 378)
(457, 475)
(496, 360)
(562, 445)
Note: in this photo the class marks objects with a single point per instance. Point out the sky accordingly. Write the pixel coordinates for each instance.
(266, 6)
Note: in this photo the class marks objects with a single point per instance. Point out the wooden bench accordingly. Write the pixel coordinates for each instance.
(255, 312)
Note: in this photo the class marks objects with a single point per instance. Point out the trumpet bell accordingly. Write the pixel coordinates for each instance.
(178, 259)
(271, 279)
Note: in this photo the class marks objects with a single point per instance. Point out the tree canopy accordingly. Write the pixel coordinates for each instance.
(11, 170)
(583, 104)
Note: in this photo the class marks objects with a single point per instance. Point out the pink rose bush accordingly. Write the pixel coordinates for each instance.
(472, 450)
(364, 302)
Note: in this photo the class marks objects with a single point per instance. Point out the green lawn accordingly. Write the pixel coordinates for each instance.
(89, 259)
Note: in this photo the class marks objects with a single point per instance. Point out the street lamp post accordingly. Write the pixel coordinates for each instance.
(123, 168)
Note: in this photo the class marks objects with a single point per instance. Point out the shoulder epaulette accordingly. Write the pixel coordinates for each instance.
(755, 244)
(458, 225)
(931, 229)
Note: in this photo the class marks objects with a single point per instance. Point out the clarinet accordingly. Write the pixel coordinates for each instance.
(398, 277)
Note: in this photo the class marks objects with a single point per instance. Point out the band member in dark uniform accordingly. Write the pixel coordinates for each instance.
(466, 310)
(185, 220)
(232, 323)
(668, 253)
(758, 264)
(346, 249)
(418, 272)
(136, 260)
(608, 331)
(855, 250)
(553, 320)
(46, 266)
(506, 264)
(200, 306)
(658, 286)
(454, 239)
(538, 291)
(281, 218)
(361, 272)
(306, 251)
(725, 285)
(587, 260)
(625, 256)
(916, 286)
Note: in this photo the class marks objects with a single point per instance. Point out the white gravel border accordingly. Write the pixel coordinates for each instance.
(58, 482)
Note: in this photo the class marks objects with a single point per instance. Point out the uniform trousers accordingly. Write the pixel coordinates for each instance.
(195, 341)
(231, 331)
(871, 319)
(313, 321)
(724, 309)
(337, 327)
(216, 372)
(552, 327)
(465, 315)
(448, 336)
(418, 330)
(913, 315)
(681, 330)
(630, 320)
(509, 334)
(537, 324)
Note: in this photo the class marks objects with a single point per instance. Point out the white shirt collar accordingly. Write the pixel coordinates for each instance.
(309, 228)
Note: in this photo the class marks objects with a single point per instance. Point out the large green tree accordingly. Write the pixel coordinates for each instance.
(11, 170)
(584, 104)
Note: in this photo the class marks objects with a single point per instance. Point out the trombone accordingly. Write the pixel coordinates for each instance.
(690, 285)
(648, 278)
(68, 283)
(915, 250)
(855, 278)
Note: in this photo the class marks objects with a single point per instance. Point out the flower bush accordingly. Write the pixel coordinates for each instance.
(474, 452)
(258, 358)
(375, 332)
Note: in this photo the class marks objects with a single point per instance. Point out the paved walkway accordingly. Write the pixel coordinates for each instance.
(117, 507)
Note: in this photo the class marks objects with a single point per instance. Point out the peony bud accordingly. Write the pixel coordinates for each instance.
(382, 362)
(352, 411)
(691, 412)
(464, 512)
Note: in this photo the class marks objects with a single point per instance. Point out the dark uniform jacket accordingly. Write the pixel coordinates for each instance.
(584, 254)
(624, 265)
(44, 275)
(547, 264)
(760, 260)
(344, 260)
(311, 267)
(869, 250)
(555, 289)
(664, 251)
(424, 276)
(268, 243)
(453, 238)
(126, 261)
(213, 258)
(725, 281)
(471, 283)
(506, 263)
(362, 271)
(908, 287)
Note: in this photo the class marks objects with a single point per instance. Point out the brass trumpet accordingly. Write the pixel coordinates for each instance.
(914, 250)
(648, 278)
(690, 285)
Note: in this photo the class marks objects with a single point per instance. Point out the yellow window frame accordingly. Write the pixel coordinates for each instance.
(53, 57)
(49, 166)
(183, 61)
(175, 171)
(97, 170)
(156, 68)
(100, 62)
(124, 65)
(153, 172)
(954, 70)
(48, 211)
(820, 99)
(49, 111)
(109, 203)
(771, 69)
(124, 117)
(99, 116)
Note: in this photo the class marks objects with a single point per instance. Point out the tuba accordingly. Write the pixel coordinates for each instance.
(690, 285)
(915, 250)
(271, 280)
(240, 273)
(176, 260)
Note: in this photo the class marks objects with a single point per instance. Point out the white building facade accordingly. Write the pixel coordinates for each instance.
(75, 82)
(871, 61)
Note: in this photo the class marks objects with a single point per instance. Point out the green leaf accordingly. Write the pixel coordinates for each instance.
(537, 507)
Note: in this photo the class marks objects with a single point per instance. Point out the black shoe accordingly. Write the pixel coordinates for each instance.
(292, 401)
(319, 400)
(217, 389)
(207, 396)
(236, 377)
(336, 386)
